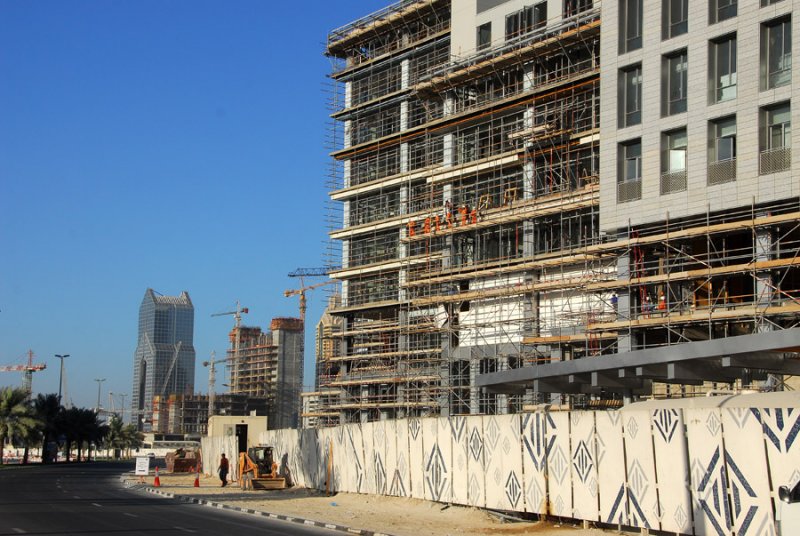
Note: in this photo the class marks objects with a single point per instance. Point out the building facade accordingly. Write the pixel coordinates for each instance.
(164, 361)
(491, 258)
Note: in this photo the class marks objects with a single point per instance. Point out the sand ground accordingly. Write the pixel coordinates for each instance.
(391, 515)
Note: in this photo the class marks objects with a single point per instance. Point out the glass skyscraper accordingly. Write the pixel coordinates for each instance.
(164, 360)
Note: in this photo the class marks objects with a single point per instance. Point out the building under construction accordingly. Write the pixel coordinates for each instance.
(187, 415)
(490, 258)
(269, 365)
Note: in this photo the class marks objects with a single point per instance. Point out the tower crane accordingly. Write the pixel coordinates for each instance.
(302, 293)
(27, 372)
(302, 273)
(212, 376)
(237, 322)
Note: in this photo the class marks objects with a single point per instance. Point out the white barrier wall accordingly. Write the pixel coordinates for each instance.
(707, 467)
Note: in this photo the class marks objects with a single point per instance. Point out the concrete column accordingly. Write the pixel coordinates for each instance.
(763, 283)
(348, 94)
(345, 253)
(624, 342)
(348, 126)
(346, 214)
(405, 70)
(346, 171)
(502, 400)
(448, 155)
(474, 390)
(404, 115)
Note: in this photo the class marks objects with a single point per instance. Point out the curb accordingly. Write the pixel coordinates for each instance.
(213, 504)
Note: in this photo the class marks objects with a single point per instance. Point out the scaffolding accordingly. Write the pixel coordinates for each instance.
(465, 219)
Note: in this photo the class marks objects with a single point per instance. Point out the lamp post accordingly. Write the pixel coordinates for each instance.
(61, 375)
(99, 383)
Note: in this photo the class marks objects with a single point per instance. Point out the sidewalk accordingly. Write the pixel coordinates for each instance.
(354, 513)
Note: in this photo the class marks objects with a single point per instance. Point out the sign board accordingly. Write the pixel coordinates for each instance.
(142, 466)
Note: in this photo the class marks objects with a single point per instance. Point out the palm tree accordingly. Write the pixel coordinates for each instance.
(17, 420)
(114, 438)
(133, 438)
(48, 411)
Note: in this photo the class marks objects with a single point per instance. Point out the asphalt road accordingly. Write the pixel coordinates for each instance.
(88, 499)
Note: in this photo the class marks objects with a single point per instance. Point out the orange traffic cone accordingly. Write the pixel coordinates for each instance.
(196, 478)
(157, 482)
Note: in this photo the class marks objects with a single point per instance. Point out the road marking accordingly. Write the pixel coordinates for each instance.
(97, 505)
(19, 531)
(184, 529)
(130, 515)
(75, 497)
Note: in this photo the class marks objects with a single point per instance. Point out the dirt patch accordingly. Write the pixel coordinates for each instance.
(391, 515)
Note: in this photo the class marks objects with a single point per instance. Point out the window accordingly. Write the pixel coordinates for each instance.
(576, 7)
(675, 14)
(765, 3)
(722, 150)
(722, 69)
(776, 139)
(673, 161)
(722, 10)
(630, 25)
(675, 84)
(629, 178)
(484, 36)
(631, 96)
(526, 20)
(776, 53)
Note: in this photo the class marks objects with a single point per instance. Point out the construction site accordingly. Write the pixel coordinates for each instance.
(465, 208)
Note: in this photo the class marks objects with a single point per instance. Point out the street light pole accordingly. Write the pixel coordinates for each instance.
(61, 375)
(99, 383)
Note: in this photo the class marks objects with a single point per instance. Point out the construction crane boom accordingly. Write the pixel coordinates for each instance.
(212, 375)
(27, 372)
(237, 316)
(313, 272)
(302, 293)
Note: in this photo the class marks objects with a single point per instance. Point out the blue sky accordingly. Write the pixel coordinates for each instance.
(177, 145)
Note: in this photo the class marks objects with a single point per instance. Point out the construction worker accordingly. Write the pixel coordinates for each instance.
(223, 470)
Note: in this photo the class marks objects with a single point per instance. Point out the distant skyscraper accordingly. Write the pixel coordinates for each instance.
(164, 359)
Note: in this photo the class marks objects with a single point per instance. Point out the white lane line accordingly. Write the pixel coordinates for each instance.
(97, 505)
(19, 531)
(182, 529)
(75, 497)
(129, 514)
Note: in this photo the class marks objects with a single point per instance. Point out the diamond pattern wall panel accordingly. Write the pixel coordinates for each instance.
(748, 477)
(672, 470)
(416, 457)
(643, 508)
(372, 455)
(583, 464)
(708, 475)
(501, 437)
(476, 464)
(397, 458)
(559, 462)
(535, 443)
(611, 468)
(459, 476)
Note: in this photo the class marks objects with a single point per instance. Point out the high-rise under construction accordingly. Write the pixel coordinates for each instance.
(506, 236)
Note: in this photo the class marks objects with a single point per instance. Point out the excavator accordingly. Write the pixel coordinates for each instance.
(259, 470)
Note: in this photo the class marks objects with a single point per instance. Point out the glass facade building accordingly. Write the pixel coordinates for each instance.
(164, 361)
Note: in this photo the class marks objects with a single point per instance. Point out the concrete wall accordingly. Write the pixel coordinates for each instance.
(705, 466)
